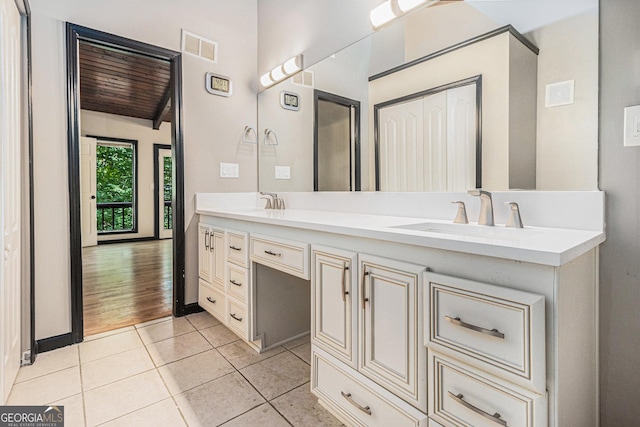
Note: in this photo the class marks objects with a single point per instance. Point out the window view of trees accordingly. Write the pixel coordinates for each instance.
(115, 180)
(168, 213)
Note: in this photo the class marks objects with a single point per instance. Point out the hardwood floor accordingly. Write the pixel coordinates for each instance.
(126, 283)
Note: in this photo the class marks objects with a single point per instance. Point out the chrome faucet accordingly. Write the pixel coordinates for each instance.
(486, 206)
(514, 218)
(273, 201)
(271, 197)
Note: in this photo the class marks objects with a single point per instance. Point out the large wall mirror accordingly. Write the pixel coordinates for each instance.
(502, 95)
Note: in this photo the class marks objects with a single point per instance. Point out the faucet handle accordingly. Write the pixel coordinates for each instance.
(514, 218)
(269, 205)
(461, 215)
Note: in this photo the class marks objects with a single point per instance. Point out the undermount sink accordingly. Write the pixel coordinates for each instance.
(472, 230)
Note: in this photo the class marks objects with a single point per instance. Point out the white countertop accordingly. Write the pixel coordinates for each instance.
(539, 245)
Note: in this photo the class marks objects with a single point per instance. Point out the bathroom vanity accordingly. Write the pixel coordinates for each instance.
(414, 320)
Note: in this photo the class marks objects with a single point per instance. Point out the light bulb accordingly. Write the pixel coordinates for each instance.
(265, 80)
(277, 74)
(406, 5)
(293, 65)
(382, 14)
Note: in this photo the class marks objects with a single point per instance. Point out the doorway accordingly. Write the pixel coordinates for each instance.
(336, 143)
(170, 106)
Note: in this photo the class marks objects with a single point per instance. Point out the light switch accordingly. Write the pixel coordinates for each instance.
(632, 126)
(283, 172)
(229, 170)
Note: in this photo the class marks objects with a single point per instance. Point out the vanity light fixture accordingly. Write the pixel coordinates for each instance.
(382, 14)
(281, 72)
(392, 9)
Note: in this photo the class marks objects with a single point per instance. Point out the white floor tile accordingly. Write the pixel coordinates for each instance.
(202, 320)
(153, 322)
(161, 414)
(115, 367)
(73, 410)
(108, 333)
(46, 388)
(49, 362)
(177, 348)
(163, 330)
(112, 344)
(193, 371)
(114, 400)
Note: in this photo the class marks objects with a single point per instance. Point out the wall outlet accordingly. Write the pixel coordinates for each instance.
(283, 172)
(229, 170)
(632, 126)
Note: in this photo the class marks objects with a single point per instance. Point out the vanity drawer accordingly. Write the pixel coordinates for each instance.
(237, 320)
(355, 401)
(212, 300)
(238, 282)
(499, 329)
(462, 396)
(284, 255)
(237, 248)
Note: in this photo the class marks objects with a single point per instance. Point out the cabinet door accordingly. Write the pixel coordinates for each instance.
(333, 295)
(205, 264)
(218, 257)
(390, 326)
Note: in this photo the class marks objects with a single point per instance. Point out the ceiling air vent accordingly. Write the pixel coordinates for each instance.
(303, 78)
(196, 45)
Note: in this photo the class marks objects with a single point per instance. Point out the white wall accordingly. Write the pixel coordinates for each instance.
(113, 126)
(620, 179)
(311, 27)
(212, 125)
(567, 146)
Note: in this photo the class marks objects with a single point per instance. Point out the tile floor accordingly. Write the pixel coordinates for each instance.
(174, 372)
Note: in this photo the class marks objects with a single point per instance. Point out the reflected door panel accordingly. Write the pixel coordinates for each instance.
(429, 144)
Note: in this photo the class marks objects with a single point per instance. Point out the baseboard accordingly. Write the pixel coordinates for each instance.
(52, 343)
(135, 239)
(192, 308)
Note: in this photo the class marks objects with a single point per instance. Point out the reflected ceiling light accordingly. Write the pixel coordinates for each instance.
(407, 5)
(281, 72)
(392, 9)
(382, 14)
(265, 80)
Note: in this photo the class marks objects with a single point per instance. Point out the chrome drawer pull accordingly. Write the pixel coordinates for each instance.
(234, 248)
(212, 301)
(206, 239)
(365, 273)
(233, 282)
(345, 268)
(364, 409)
(272, 253)
(239, 319)
(492, 332)
(495, 417)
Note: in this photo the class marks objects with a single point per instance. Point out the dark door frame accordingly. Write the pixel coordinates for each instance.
(319, 95)
(157, 184)
(75, 33)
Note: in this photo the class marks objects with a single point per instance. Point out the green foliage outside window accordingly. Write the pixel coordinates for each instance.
(114, 181)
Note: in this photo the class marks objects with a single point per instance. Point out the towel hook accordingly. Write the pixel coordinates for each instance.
(267, 137)
(250, 136)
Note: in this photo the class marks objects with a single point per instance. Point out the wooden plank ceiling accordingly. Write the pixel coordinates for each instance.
(127, 84)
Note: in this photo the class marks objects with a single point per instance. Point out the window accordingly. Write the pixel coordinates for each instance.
(116, 186)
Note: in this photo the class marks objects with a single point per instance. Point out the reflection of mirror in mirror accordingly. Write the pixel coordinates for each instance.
(525, 142)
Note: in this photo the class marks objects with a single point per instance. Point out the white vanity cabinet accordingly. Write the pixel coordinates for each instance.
(423, 328)
(390, 327)
(369, 365)
(334, 303)
(211, 255)
(211, 266)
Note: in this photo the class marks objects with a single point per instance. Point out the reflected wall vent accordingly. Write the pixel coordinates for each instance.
(196, 45)
(303, 78)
